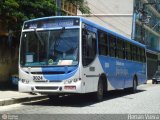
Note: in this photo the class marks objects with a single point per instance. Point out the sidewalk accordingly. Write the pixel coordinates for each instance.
(8, 97)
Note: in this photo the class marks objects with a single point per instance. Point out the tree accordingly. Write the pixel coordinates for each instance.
(18, 11)
(15, 12)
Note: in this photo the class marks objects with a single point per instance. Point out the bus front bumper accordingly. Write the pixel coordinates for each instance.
(49, 88)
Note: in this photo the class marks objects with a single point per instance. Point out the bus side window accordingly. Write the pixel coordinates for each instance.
(138, 55)
(143, 56)
(88, 47)
(112, 45)
(128, 51)
(120, 48)
(103, 43)
(134, 53)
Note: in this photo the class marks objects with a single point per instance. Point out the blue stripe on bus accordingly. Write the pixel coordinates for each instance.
(123, 73)
(64, 73)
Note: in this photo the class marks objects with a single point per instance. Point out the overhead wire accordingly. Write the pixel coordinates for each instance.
(119, 21)
(107, 23)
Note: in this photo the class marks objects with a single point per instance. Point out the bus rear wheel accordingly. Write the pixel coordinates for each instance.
(134, 88)
(99, 94)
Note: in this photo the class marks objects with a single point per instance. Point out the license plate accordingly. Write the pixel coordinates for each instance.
(37, 78)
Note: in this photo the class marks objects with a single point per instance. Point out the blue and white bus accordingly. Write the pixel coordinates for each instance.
(70, 54)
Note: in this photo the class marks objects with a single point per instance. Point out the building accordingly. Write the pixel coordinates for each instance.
(147, 30)
(121, 15)
(113, 14)
(68, 9)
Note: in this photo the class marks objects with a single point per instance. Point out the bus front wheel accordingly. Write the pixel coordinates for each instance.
(99, 94)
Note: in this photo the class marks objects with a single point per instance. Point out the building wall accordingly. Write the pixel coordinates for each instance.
(113, 14)
(147, 31)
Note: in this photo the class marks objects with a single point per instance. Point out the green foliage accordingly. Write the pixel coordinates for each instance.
(21, 10)
(15, 12)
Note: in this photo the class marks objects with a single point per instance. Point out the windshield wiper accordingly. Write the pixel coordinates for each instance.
(38, 36)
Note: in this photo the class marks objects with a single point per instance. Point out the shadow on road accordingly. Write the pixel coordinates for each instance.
(81, 100)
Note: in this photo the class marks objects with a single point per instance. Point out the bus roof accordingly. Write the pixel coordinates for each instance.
(89, 22)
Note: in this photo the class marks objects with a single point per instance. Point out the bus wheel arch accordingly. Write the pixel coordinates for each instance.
(101, 88)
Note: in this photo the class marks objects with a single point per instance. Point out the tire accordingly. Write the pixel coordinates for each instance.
(99, 94)
(153, 82)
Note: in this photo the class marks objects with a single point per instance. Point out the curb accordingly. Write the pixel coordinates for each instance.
(20, 100)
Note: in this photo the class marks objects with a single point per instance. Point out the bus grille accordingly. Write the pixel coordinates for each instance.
(46, 88)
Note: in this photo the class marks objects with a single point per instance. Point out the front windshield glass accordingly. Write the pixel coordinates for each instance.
(50, 48)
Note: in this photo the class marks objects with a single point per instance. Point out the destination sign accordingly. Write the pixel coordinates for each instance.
(51, 23)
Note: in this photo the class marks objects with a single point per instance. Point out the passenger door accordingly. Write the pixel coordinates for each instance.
(89, 50)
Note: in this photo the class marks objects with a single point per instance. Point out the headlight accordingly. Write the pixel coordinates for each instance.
(72, 81)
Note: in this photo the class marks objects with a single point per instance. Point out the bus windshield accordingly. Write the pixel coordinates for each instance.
(50, 47)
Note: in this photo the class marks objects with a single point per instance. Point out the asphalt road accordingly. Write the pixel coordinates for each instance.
(145, 101)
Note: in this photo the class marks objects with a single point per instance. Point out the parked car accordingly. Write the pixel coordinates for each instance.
(156, 77)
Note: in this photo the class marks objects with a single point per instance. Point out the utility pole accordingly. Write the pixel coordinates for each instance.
(58, 5)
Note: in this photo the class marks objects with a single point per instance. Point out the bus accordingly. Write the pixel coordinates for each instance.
(73, 55)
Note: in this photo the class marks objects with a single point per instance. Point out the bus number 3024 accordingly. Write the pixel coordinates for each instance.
(37, 78)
